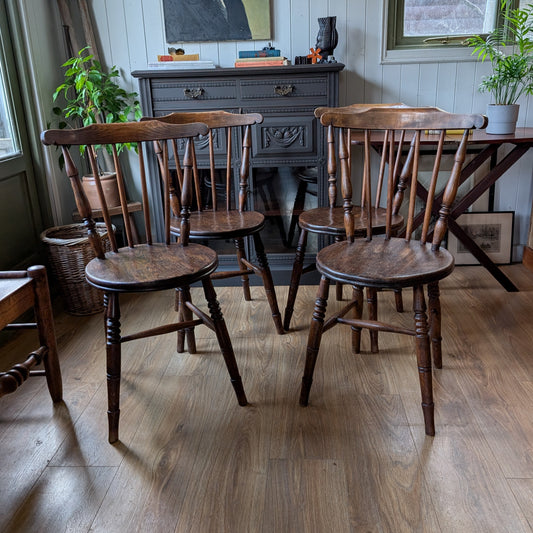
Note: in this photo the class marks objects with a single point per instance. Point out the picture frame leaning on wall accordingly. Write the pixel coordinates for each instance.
(492, 231)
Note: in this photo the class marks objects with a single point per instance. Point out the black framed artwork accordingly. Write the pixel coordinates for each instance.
(216, 20)
(492, 231)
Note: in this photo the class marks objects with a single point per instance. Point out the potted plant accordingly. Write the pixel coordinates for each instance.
(91, 96)
(512, 72)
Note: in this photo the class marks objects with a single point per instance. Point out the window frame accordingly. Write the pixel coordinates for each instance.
(412, 49)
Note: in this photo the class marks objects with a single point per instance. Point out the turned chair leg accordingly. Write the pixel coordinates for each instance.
(435, 323)
(241, 254)
(372, 302)
(357, 313)
(423, 357)
(338, 285)
(314, 338)
(113, 354)
(178, 307)
(224, 340)
(268, 283)
(296, 275)
(183, 295)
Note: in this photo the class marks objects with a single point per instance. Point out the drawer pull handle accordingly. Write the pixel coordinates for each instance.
(284, 90)
(193, 93)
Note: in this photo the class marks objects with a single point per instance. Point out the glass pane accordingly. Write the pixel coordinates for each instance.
(9, 145)
(433, 17)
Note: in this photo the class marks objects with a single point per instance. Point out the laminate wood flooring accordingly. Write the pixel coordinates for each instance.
(355, 460)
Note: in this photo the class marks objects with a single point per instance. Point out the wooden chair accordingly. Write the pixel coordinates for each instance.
(383, 261)
(329, 220)
(21, 291)
(231, 220)
(152, 266)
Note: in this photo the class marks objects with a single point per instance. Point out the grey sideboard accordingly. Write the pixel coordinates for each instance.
(288, 144)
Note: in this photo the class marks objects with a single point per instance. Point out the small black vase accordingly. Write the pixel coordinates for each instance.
(327, 37)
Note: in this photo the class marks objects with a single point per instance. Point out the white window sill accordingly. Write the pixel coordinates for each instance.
(427, 55)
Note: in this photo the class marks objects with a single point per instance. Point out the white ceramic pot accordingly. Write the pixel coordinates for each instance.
(502, 118)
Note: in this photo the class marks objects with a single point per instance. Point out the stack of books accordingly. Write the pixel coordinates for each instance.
(182, 64)
(267, 57)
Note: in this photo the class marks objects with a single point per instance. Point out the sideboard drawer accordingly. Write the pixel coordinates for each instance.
(285, 135)
(169, 95)
(282, 90)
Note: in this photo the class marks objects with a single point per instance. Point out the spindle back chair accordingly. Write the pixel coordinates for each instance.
(152, 265)
(229, 134)
(329, 220)
(385, 261)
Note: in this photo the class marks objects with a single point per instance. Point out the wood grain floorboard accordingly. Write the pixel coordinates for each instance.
(355, 460)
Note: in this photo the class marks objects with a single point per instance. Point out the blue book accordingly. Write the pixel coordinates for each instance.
(272, 52)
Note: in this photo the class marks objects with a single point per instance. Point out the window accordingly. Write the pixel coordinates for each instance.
(9, 144)
(437, 28)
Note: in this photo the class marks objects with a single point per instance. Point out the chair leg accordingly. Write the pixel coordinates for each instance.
(314, 338)
(113, 352)
(372, 302)
(45, 327)
(224, 340)
(297, 268)
(241, 254)
(297, 208)
(398, 299)
(338, 286)
(180, 343)
(435, 323)
(423, 356)
(185, 314)
(357, 313)
(268, 283)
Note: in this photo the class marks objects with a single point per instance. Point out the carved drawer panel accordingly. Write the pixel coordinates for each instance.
(284, 89)
(285, 135)
(168, 95)
(201, 147)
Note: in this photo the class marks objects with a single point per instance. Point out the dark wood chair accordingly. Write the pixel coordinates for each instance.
(229, 218)
(329, 220)
(151, 266)
(384, 261)
(20, 292)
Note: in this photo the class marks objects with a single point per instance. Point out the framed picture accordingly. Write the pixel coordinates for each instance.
(216, 20)
(493, 232)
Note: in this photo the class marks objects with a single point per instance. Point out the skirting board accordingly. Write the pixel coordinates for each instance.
(527, 258)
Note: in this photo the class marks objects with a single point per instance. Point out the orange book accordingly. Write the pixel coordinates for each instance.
(273, 63)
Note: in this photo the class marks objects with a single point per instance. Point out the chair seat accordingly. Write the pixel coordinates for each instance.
(151, 267)
(16, 296)
(221, 224)
(387, 263)
(330, 221)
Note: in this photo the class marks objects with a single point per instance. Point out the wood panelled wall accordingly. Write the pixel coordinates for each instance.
(131, 33)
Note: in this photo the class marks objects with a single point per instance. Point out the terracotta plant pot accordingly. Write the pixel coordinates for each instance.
(109, 186)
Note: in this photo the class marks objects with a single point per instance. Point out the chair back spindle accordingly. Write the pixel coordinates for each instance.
(155, 135)
(385, 130)
(222, 125)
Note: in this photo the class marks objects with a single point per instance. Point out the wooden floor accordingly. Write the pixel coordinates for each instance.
(191, 460)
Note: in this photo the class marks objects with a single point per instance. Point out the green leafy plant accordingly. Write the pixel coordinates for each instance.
(92, 95)
(512, 72)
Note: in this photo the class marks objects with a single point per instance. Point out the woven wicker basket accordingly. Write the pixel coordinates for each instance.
(68, 251)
